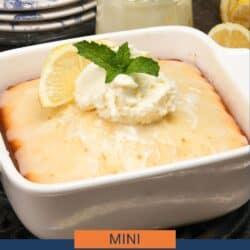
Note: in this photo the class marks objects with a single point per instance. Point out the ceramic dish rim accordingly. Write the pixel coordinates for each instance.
(49, 25)
(49, 14)
(42, 6)
(48, 189)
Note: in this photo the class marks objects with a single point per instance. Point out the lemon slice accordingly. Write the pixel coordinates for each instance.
(231, 35)
(236, 11)
(240, 13)
(224, 10)
(61, 69)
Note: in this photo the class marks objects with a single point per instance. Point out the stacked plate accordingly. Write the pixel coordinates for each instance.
(25, 22)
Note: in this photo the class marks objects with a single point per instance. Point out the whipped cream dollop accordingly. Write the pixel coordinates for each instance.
(129, 99)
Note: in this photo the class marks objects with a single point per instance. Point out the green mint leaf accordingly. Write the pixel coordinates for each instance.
(123, 56)
(112, 74)
(143, 65)
(99, 54)
(116, 63)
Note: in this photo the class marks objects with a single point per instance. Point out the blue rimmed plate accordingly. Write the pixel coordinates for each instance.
(17, 39)
(47, 26)
(22, 5)
(33, 16)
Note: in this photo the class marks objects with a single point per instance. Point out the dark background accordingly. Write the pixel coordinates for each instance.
(234, 225)
(206, 15)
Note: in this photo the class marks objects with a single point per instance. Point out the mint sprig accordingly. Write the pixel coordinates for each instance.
(116, 63)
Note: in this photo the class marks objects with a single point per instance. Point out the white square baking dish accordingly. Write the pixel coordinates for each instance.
(171, 195)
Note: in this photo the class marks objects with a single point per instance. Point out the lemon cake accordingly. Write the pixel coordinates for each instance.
(54, 145)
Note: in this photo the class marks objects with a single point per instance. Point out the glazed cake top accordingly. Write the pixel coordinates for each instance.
(66, 144)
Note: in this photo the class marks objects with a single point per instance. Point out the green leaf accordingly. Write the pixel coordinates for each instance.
(116, 63)
(143, 65)
(99, 54)
(123, 56)
(112, 74)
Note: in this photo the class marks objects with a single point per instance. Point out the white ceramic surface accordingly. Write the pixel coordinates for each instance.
(171, 195)
(22, 5)
(46, 15)
(48, 25)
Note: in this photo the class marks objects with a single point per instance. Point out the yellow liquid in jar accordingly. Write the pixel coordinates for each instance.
(117, 15)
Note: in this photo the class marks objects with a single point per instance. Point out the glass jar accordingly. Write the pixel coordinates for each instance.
(117, 15)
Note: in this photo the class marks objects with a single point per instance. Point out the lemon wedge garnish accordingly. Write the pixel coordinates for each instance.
(231, 35)
(240, 13)
(236, 11)
(60, 71)
(224, 10)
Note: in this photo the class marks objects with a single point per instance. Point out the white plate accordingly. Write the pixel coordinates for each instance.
(47, 15)
(19, 39)
(47, 26)
(159, 197)
(20, 5)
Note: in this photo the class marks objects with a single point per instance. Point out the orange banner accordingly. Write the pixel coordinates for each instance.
(134, 239)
